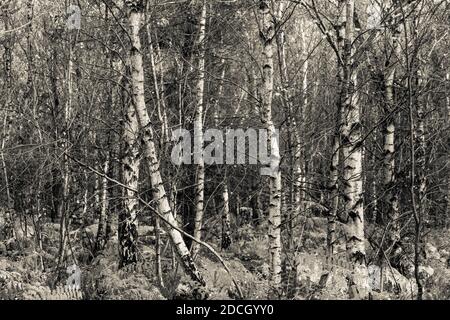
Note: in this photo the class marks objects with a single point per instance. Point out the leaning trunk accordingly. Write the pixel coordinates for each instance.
(159, 193)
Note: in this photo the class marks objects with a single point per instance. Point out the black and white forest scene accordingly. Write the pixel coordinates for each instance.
(225, 150)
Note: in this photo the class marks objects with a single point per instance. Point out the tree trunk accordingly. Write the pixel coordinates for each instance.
(419, 162)
(226, 221)
(128, 223)
(159, 87)
(65, 172)
(226, 228)
(391, 197)
(300, 156)
(352, 158)
(101, 231)
(267, 35)
(5, 138)
(334, 188)
(293, 127)
(421, 146)
(447, 100)
(198, 132)
(159, 193)
(352, 148)
(336, 141)
(7, 118)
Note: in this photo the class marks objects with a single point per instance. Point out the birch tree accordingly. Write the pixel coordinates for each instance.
(351, 136)
(294, 127)
(128, 224)
(198, 131)
(62, 210)
(134, 12)
(7, 118)
(104, 203)
(267, 37)
(391, 196)
(336, 141)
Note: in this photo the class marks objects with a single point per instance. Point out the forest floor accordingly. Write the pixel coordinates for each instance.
(306, 275)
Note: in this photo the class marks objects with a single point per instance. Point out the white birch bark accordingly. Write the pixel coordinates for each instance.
(159, 194)
(352, 158)
(155, 62)
(336, 141)
(128, 223)
(226, 224)
(391, 197)
(420, 136)
(293, 127)
(101, 230)
(267, 34)
(198, 132)
(226, 221)
(334, 188)
(63, 204)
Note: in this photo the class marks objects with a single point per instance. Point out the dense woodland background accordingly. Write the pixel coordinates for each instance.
(360, 208)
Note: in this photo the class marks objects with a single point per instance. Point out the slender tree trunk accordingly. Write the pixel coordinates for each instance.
(352, 148)
(159, 193)
(5, 138)
(336, 141)
(158, 246)
(226, 221)
(31, 97)
(300, 166)
(38, 225)
(63, 204)
(391, 196)
(334, 189)
(31, 94)
(86, 193)
(447, 99)
(54, 93)
(293, 127)
(101, 231)
(420, 135)
(128, 223)
(162, 115)
(389, 159)
(226, 227)
(416, 210)
(352, 159)
(7, 118)
(159, 92)
(419, 163)
(198, 132)
(267, 35)
(155, 61)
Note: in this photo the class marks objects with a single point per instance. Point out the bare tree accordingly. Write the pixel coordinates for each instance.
(198, 131)
(267, 35)
(135, 10)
